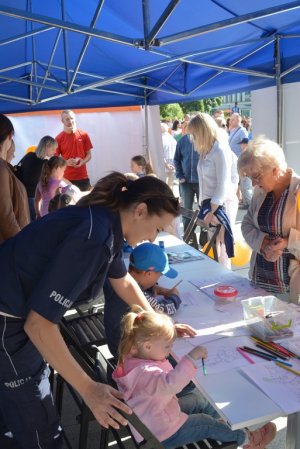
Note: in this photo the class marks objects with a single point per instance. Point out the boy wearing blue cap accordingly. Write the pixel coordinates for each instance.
(147, 263)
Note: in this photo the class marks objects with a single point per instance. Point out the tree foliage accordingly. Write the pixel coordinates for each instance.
(178, 110)
(171, 111)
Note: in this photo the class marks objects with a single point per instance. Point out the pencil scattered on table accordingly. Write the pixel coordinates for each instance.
(245, 355)
(204, 367)
(276, 347)
(274, 353)
(176, 285)
(291, 370)
(264, 355)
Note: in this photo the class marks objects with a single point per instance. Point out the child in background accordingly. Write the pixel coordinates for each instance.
(50, 183)
(149, 384)
(59, 201)
(146, 265)
(140, 166)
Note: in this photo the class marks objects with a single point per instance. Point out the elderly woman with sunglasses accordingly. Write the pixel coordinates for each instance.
(272, 224)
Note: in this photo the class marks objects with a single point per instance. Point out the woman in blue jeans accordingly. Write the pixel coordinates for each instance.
(149, 384)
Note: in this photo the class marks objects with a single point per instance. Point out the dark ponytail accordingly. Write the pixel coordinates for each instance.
(116, 192)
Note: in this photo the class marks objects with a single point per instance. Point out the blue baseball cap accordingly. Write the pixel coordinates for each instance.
(150, 257)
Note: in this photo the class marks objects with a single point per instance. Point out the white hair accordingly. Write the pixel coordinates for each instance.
(261, 154)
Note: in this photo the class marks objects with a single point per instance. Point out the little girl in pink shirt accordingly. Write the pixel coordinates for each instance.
(150, 384)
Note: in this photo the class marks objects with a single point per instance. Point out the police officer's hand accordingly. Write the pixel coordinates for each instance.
(104, 402)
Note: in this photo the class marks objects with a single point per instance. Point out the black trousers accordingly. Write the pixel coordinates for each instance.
(26, 403)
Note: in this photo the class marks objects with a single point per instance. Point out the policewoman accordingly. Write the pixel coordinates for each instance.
(51, 266)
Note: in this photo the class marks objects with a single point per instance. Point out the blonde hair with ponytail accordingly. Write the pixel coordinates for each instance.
(140, 325)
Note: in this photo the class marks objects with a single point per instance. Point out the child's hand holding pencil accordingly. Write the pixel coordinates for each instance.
(166, 291)
(198, 352)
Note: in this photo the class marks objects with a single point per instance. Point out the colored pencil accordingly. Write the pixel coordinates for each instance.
(274, 353)
(254, 352)
(176, 285)
(245, 355)
(264, 355)
(275, 347)
(287, 368)
(282, 348)
(204, 367)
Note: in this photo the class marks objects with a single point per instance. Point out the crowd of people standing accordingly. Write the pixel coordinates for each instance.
(219, 165)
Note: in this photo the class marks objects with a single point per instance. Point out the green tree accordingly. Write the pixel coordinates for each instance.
(171, 111)
(205, 105)
(178, 110)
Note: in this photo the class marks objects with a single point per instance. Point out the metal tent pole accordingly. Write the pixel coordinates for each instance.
(278, 90)
(146, 148)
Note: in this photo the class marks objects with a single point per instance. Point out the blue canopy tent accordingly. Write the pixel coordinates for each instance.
(95, 53)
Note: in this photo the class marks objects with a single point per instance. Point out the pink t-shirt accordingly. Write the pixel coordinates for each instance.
(49, 192)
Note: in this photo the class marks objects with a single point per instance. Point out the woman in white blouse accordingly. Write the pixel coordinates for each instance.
(214, 168)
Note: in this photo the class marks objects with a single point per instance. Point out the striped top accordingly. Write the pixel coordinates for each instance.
(272, 276)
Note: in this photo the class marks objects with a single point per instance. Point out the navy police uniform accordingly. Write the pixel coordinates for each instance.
(51, 265)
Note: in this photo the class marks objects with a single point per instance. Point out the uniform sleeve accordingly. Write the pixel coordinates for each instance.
(117, 268)
(8, 223)
(68, 273)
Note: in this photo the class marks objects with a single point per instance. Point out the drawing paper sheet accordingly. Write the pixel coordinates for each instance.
(282, 386)
(240, 402)
(243, 285)
(296, 320)
(198, 310)
(293, 344)
(222, 353)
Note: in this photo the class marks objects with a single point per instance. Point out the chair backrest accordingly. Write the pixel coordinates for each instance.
(194, 222)
(100, 368)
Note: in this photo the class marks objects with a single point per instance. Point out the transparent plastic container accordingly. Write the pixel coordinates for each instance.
(268, 318)
(225, 294)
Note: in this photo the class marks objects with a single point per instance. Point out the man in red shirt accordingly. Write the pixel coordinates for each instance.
(75, 146)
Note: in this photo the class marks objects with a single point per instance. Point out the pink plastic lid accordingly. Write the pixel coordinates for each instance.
(225, 291)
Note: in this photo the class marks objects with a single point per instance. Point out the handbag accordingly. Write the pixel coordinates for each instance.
(18, 171)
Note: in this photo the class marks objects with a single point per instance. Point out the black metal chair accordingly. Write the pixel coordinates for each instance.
(189, 235)
(92, 360)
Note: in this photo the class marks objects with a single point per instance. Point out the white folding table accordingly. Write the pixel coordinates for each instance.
(238, 400)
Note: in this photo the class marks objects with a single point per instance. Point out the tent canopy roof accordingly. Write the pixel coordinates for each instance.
(71, 54)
